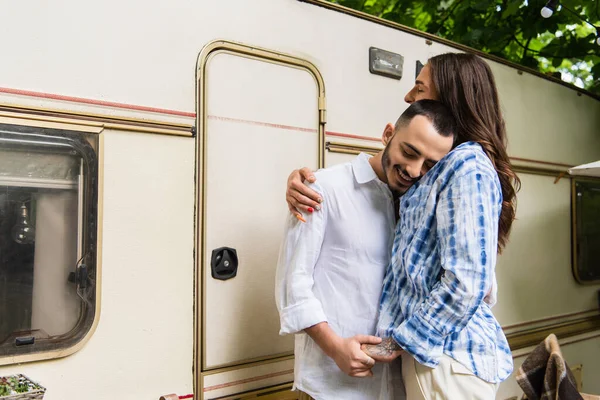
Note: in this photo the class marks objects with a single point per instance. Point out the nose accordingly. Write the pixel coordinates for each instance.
(414, 169)
(410, 97)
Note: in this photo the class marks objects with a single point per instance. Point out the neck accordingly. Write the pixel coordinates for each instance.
(375, 162)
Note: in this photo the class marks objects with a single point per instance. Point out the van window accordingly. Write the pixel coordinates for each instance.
(48, 228)
(586, 231)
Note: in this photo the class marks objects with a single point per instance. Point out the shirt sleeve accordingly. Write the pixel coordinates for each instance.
(297, 305)
(467, 234)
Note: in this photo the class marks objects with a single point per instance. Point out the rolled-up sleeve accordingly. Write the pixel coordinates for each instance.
(467, 225)
(297, 305)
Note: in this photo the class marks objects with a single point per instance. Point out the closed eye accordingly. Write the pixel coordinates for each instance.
(429, 164)
(407, 154)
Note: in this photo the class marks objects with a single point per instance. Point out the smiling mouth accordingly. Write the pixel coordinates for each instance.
(404, 179)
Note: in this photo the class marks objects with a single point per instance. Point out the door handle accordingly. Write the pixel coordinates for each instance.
(224, 263)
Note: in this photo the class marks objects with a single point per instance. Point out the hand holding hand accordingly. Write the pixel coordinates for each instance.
(351, 359)
(386, 351)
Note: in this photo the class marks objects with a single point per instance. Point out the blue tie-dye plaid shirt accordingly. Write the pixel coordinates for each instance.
(440, 285)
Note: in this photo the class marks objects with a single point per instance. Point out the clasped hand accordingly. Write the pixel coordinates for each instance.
(357, 355)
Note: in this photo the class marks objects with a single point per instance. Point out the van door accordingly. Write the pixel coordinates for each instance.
(260, 115)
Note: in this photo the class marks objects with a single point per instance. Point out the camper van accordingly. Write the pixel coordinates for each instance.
(144, 153)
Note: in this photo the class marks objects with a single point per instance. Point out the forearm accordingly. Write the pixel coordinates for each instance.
(447, 309)
(451, 305)
(296, 302)
(324, 337)
(424, 333)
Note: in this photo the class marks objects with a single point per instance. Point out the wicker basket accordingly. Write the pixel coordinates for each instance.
(36, 392)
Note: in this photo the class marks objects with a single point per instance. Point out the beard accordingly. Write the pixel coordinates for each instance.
(390, 173)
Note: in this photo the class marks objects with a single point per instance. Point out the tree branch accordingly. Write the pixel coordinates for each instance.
(448, 14)
(579, 16)
(547, 55)
(526, 48)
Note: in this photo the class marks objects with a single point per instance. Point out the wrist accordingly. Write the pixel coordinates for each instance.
(333, 345)
(325, 338)
(330, 342)
(393, 345)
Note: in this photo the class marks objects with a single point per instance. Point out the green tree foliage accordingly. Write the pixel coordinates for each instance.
(562, 45)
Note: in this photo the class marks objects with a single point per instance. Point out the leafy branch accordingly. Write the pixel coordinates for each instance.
(512, 29)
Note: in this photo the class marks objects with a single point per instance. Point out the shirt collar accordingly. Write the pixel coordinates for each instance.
(363, 172)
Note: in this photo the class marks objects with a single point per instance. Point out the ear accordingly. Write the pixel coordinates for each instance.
(388, 132)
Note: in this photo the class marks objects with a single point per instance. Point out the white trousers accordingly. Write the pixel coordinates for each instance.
(450, 380)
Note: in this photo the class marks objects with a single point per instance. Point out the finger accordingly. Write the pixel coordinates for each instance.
(386, 358)
(314, 198)
(371, 351)
(299, 207)
(293, 210)
(307, 174)
(305, 209)
(362, 374)
(367, 361)
(368, 339)
(358, 367)
(368, 349)
(304, 203)
(295, 175)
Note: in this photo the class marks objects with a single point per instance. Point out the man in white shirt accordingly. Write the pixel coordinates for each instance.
(331, 268)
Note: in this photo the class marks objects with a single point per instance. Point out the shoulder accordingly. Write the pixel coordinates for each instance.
(467, 168)
(332, 178)
(468, 159)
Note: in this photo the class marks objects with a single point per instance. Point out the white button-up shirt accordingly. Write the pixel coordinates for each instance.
(331, 269)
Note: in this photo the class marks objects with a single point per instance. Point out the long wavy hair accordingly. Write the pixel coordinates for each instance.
(465, 83)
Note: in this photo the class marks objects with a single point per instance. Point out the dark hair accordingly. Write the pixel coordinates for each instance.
(465, 83)
(436, 112)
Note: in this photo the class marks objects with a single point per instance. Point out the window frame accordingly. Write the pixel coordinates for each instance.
(74, 135)
(575, 228)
